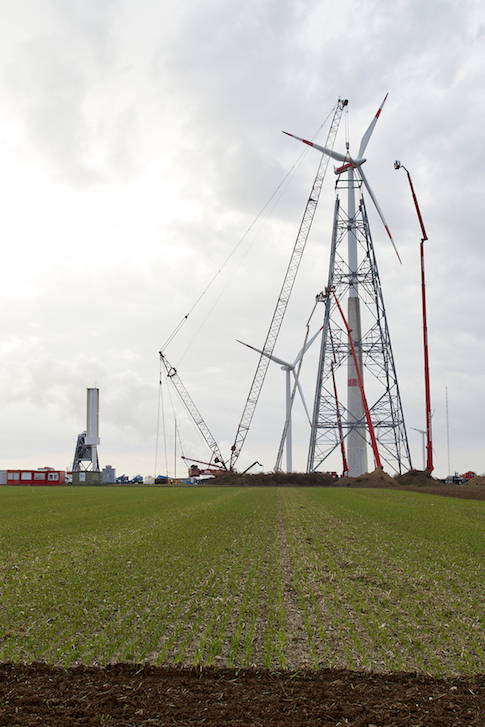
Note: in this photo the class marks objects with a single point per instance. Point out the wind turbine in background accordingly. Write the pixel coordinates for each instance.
(423, 439)
(289, 369)
(355, 276)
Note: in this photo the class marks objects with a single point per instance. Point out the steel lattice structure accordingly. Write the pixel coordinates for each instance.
(329, 425)
(194, 412)
(285, 292)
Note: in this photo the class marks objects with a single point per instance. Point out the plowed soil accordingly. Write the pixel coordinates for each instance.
(128, 695)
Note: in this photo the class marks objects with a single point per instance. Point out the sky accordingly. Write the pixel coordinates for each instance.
(139, 140)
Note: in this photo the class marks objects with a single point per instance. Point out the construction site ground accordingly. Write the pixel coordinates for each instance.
(132, 695)
(416, 480)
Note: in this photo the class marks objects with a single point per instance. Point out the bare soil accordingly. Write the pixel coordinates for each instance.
(415, 480)
(465, 492)
(419, 481)
(130, 695)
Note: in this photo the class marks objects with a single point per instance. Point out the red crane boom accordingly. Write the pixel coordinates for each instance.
(427, 390)
(360, 381)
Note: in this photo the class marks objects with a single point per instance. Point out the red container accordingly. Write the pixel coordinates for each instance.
(36, 477)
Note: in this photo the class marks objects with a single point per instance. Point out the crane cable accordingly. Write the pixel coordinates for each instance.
(177, 430)
(346, 127)
(241, 239)
(164, 430)
(160, 417)
(161, 414)
(157, 436)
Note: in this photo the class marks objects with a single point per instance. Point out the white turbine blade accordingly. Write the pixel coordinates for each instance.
(268, 355)
(300, 390)
(368, 133)
(379, 211)
(307, 346)
(329, 152)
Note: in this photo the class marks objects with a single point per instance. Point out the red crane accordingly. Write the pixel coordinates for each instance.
(427, 392)
(360, 381)
(345, 466)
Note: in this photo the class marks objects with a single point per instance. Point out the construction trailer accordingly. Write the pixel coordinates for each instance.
(41, 476)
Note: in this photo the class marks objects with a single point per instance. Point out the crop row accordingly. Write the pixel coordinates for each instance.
(281, 578)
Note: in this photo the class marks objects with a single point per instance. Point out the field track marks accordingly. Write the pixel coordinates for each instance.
(298, 653)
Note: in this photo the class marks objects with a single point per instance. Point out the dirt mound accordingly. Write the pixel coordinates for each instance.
(416, 478)
(132, 695)
(274, 479)
(476, 481)
(377, 478)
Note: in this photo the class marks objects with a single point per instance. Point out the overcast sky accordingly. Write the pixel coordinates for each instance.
(138, 141)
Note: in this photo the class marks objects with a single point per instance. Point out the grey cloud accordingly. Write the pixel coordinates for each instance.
(204, 103)
(48, 84)
(53, 82)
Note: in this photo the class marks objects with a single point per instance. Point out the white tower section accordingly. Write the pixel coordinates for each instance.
(86, 452)
(92, 419)
(356, 440)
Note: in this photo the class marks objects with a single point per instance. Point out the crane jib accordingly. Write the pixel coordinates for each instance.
(286, 289)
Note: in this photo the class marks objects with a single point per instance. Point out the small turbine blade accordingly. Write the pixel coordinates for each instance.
(329, 152)
(267, 355)
(379, 211)
(300, 390)
(368, 133)
(307, 346)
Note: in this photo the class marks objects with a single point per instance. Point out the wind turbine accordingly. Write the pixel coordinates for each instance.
(357, 275)
(349, 164)
(423, 436)
(289, 369)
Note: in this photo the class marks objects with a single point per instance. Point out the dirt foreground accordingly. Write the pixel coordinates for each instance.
(129, 695)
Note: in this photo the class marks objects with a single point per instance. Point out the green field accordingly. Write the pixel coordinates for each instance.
(278, 577)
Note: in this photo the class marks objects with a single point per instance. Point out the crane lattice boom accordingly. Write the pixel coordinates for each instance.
(189, 404)
(286, 289)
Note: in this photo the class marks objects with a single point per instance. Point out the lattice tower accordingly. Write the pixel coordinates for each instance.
(359, 285)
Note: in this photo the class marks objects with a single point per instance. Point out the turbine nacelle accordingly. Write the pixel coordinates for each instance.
(348, 163)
